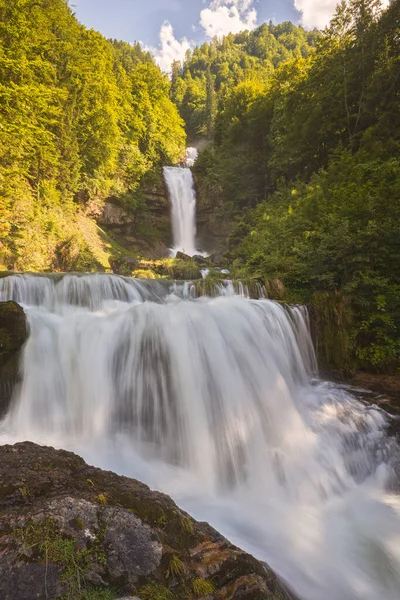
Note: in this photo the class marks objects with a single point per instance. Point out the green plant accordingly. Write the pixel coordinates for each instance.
(202, 587)
(44, 541)
(175, 568)
(155, 591)
(187, 524)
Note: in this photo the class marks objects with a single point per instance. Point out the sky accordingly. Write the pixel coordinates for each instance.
(169, 27)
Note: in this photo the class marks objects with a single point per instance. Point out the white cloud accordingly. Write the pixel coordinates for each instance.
(218, 19)
(318, 13)
(228, 16)
(171, 49)
(315, 13)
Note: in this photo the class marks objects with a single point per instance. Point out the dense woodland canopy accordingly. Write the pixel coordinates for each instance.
(81, 119)
(301, 131)
(306, 163)
(203, 83)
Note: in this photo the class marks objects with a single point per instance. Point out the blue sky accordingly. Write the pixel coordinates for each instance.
(169, 27)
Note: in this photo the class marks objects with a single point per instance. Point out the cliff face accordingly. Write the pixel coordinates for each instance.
(68, 530)
(213, 226)
(145, 226)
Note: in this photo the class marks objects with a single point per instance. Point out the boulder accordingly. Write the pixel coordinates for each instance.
(183, 256)
(123, 265)
(202, 261)
(13, 329)
(185, 270)
(13, 334)
(74, 531)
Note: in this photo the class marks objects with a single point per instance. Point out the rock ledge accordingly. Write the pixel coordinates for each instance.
(68, 530)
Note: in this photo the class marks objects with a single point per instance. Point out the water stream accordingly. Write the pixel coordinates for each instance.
(216, 402)
(180, 184)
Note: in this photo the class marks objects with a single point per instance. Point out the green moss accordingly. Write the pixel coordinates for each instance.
(96, 593)
(13, 330)
(42, 541)
(172, 268)
(101, 499)
(155, 591)
(5, 343)
(202, 587)
(79, 524)
(175, 568)
(144, 274)
(331, 320)
(25, 493)
(187, 524)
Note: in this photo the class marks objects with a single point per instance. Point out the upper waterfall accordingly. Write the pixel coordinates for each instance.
(180, 185)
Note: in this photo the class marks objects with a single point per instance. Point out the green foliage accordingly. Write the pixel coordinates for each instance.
(306, 164)
(155, 591)
(212, 70)
(44, 540)
(81, 119)
(168, 268)
(175, 568)
(202, 587)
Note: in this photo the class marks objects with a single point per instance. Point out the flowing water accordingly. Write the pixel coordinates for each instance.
(182, 195)
(216, 402)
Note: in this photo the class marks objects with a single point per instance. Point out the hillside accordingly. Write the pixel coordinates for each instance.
(303, 176)
(202, 85)
(82, 119)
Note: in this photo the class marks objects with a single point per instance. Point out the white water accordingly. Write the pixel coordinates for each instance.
(182, 195)
(210, 400)
(191, 156)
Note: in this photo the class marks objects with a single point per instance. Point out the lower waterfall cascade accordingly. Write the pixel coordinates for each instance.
(216, 402)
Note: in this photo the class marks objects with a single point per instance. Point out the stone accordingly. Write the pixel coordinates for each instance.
(114, 214)
(202, 261)
(13, 335)
(134, 549)
(123, 265)
(182, 256)
(66, 527)
(13, 328)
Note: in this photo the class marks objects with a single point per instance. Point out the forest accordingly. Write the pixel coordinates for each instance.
(299, 134)
(82, 118)
(304, 165)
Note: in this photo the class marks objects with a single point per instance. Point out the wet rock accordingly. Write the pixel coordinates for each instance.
(71, 530)
(134, 549)
(202, 261)
(13, 334)
(183, 256)
(13, 329)
(185, 270)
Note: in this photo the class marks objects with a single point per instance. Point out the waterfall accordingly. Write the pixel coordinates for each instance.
(182, 195)
(215, 402)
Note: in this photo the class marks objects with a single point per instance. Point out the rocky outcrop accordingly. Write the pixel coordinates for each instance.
(114, 214)
(123, 265)
(143, 224)
(68, 530)
(13, 334)
(13, 329)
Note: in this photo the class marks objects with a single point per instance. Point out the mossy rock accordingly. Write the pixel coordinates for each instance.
(185, 270)
(13, 334)
(13, 329)
(68, 530)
